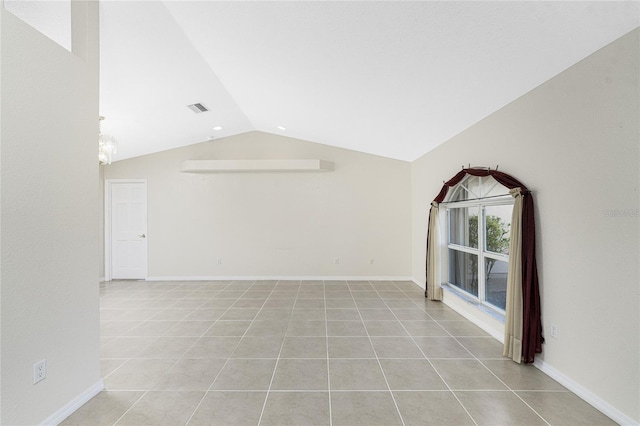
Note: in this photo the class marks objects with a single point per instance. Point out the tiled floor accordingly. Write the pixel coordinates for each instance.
(308, 353)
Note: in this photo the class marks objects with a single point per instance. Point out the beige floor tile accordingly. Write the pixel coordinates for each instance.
(466, 374)
(346, 328)
(315, 303)
(363, 408)
(377, 314)
(167, 347)
(442, 347)
(350, 347)
(343, 314)
(245, 374)
(482, 347)
(498, 408)
(150, 328)
(246, 314)
(205, 314)
(304, 347)
(307, 314)
(125, 347)
(564, 408)
(385, 328)
(462, 328)
(228, 328)
(402, 374)
(356, 374)
(138, 374)
(104, 409)
(267, 328)
(424, 328)
(274, 314)
(229, 408)
(189, 328)
(414, 314)
(109, 365)
(435, 408)
(370, 304)
(522, 376)
(162, 408)
(212, 347)
(258, 347)
(306, 328)
(190, 375)
(348, 303)
(396, 347)
(296, 409)
(300, 374)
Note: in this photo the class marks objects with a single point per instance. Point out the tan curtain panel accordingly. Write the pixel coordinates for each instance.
(433, 251)
(513, 316)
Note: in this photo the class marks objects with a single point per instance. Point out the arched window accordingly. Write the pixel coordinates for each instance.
(475, 241)
(477, 233)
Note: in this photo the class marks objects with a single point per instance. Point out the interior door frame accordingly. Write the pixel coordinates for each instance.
(108, 183)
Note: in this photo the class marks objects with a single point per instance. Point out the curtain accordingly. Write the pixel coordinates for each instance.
(433, 254)
(513, 316)
(532, 338)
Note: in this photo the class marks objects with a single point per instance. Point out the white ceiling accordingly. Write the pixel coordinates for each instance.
(394, 78)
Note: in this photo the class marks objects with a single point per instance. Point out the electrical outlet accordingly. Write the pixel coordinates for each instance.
(336, 260)
(371, 260)
(555, 331)
(39, 371)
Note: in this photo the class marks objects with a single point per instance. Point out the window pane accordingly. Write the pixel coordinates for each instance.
(473, 186)
(463, 226)
(497, 222)
(491, 188)
(496, 282)
(463, 271)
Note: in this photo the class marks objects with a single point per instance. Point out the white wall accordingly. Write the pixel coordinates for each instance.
(275, 224)
(575, 142)
(49, 217)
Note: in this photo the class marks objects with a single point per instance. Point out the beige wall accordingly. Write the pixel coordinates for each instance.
(49, 217)
(275, 224)
(575, 142)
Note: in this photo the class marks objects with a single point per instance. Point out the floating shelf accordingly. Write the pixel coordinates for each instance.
(217, 166)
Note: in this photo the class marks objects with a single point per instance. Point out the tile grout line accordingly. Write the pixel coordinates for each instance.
(275, 367)
(227, 360)
(429, 361)
(393, 398)
(326, 339)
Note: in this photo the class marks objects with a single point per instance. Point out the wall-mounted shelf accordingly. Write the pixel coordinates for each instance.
(217, 166)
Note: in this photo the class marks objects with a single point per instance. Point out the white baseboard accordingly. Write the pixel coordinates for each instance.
(70, 407)
(592, 399)
(279, 277)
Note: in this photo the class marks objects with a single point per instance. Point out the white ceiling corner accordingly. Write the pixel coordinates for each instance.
(389, 78)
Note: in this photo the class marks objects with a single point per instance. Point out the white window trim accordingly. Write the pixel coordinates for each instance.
(478, 301)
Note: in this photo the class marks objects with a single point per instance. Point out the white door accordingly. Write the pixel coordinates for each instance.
(128, 230)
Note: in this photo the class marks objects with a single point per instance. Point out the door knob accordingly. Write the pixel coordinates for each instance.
(142, 236)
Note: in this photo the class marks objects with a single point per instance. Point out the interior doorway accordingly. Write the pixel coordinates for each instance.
(126, 248)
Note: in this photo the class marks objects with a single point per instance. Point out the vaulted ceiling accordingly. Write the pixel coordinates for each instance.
(394, 78)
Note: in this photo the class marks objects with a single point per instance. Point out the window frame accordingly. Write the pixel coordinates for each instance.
(482, 253)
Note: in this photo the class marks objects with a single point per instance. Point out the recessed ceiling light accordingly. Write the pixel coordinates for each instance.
(282, 128)
(217, 128)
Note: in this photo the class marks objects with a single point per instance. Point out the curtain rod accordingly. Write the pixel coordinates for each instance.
(476, 167)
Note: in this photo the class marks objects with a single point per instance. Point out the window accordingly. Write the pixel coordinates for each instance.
(478, 234)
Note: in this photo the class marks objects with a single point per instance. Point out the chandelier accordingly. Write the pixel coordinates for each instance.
(107, 145)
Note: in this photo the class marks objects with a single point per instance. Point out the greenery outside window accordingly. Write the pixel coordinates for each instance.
(478, 222)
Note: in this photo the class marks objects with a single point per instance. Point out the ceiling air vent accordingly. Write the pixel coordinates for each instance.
(197, 108)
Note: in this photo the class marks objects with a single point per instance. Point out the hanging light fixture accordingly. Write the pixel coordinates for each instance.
(107, 145)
